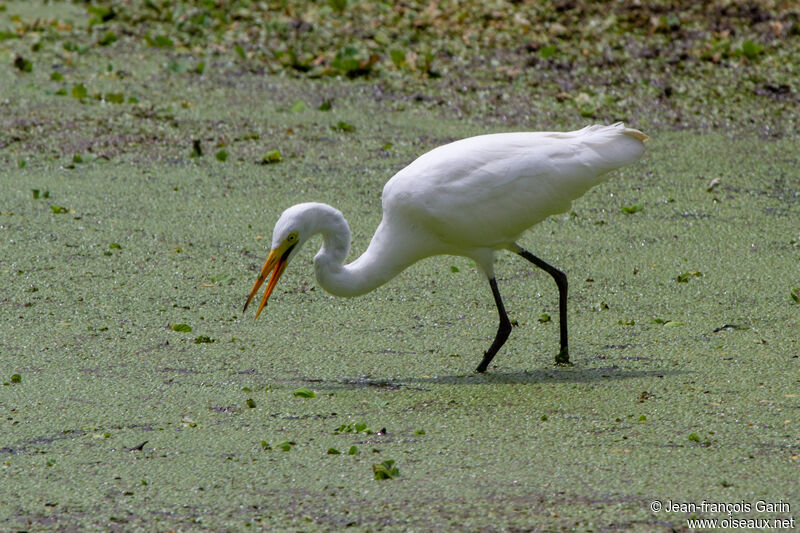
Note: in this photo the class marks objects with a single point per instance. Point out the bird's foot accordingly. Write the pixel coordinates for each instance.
(484, 363)
(562, 359)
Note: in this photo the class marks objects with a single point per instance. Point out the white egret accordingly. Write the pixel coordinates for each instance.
(471, 198)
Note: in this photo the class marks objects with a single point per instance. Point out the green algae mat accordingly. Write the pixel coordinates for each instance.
(137, 198)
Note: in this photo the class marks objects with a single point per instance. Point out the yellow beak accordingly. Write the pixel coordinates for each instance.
(277, 261)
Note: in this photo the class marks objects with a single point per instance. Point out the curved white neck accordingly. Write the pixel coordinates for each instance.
(390, 251)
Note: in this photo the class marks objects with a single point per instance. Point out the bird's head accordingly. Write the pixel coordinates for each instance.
(290, 232)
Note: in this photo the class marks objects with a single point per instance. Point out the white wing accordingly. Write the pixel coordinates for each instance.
(485, 191)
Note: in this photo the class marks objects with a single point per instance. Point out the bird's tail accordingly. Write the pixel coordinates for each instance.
(600, 131)
(615, 145)
(636, 134)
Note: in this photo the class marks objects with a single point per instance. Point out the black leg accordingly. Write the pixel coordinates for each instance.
(562, 359)
(503, 330)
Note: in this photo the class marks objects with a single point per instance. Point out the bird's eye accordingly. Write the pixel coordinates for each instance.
(292, 237)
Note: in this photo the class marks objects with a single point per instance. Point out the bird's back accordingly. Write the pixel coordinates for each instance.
(485, 191)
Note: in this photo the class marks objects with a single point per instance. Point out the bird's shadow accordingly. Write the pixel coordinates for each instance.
(529, 377)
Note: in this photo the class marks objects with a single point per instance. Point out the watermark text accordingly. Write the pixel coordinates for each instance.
(742, 507)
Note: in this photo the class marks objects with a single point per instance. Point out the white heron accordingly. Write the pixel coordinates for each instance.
(471, 198)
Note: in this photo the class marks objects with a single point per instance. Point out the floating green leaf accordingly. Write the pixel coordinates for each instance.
(546, 52)
(159, 41)
(631, 209)
(795, 295)
(298, 107)
(16, 378)
(265, 445)
(353, 450)
(222, 156)
(385, 470)
(333, 451)
(398, 57)
(338, 5)
(326, 105)
(177, 67)
(544, 318)
(58, 210)
(250, 403)
(303, 392)
(358, 427)
(114, 98)
(203, 339)
(454, 269)
(79, 91)
(285, 445)
(686, 276)
(100, 14)
(751, 50)
(223, 278)
(56, 76)
(108, 39)
(344, 126)
(271, 157)
(346, 60)
(115, 246)
(23, 64)
(182, 328)
(381, 38)
(72, 47)
(240, 51)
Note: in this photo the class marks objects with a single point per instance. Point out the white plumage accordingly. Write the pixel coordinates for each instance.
(471, 197)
